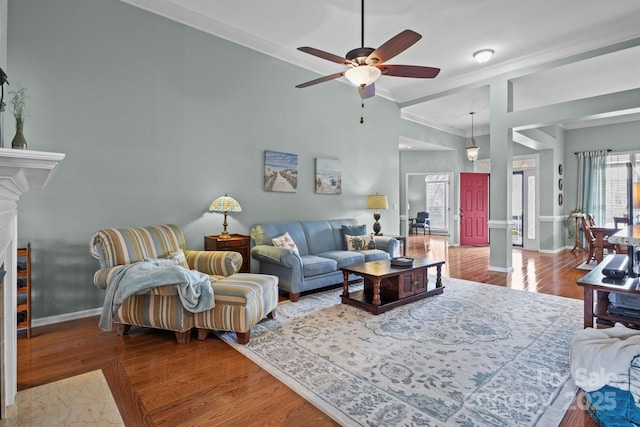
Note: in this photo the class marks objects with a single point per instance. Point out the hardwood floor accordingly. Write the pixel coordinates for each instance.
(158, 382)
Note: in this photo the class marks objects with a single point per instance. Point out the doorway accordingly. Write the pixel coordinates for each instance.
(430, 192)
(524, 193)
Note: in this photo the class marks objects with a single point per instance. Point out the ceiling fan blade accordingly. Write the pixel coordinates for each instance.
(324, 55)
(320, 80)
(367, 91)
(414, 71)
(394, 46)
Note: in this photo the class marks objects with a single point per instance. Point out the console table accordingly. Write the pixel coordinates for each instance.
(597, 286)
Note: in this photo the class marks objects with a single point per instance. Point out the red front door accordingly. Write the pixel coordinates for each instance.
(474, 208)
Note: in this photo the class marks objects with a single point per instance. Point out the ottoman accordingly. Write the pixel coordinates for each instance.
(241, 301)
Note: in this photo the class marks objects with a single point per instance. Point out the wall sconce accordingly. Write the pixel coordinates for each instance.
(377, 202)
(472, 150)
(225, 204)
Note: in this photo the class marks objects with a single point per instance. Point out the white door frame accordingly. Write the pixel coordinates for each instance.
(450, 213)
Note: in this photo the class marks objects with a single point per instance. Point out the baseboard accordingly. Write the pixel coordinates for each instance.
(501, 269)
(65, 317)
(552, 251)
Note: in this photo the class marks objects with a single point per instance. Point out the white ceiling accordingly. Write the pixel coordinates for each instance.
(522, 33)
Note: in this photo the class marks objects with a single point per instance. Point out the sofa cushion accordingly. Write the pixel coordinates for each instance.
(344, 258)
(285, 242)
(120, 246)
(374, 255)
(313, 265)
(261, 234)
(319, 236)
(359, 243)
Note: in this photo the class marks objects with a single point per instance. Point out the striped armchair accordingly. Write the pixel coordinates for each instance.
(241, 299)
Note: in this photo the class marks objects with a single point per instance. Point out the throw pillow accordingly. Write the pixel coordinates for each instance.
(285, 241)
(174, 258)
(358, 243)
(353, 230)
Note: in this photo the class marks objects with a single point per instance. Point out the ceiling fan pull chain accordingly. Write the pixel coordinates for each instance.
(361, 112)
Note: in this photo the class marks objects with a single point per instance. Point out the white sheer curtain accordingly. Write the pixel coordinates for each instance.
(592, 183)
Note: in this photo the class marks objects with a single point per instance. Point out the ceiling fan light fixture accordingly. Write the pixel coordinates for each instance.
(483, 55)
(362, 75)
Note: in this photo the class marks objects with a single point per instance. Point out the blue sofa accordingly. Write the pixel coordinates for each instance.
(321, 252)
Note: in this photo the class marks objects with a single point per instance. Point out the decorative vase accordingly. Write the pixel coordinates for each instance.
(18, 141)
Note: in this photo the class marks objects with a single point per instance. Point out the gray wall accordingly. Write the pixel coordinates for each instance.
(157, 120)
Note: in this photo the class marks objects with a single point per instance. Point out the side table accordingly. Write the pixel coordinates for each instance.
(237, 243)
(403, 242)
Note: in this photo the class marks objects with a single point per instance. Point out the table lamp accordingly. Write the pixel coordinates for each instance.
(225, 204)
(377, 202)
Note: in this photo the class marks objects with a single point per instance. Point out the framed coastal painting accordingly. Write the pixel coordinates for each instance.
(280, 171)
(328, 176)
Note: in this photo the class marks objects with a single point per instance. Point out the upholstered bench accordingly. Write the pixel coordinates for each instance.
(240, 299)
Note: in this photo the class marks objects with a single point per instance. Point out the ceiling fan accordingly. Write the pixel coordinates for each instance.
(366, 64)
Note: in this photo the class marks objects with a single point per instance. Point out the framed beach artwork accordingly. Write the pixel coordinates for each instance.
(280, 171)
(328, 176)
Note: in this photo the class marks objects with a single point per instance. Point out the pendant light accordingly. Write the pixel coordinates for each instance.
(472, 150)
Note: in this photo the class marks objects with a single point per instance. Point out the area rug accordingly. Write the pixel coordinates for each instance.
(83, 400)
(477, 355)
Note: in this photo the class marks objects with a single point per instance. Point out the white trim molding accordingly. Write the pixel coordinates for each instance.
(552, 218)
(499, 224)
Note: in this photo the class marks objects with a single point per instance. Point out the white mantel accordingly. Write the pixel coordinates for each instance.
(20, 171)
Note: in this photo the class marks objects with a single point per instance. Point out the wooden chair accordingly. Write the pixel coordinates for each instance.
(620, 221)
(589, 237)
(597, 239)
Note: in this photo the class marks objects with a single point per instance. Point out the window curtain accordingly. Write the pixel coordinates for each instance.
(592, 183)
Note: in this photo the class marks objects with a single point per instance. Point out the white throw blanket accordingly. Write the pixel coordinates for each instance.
(602, 357)
(194, 287)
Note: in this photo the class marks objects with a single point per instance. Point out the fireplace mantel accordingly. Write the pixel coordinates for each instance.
(20, 171)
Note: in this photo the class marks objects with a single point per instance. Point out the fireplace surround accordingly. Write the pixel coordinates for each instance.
(20, 171)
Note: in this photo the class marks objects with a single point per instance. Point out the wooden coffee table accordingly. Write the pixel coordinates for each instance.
(386, 287)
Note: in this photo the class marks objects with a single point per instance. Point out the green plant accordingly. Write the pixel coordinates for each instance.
(571, 224)
(18, 102)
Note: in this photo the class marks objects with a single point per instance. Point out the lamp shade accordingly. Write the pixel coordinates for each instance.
(225, 204)
(362, 75)
(636, 195)
(377, 201)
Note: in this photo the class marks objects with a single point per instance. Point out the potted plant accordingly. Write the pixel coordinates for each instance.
(19, 107)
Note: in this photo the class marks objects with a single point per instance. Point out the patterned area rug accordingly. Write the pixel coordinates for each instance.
(477, 355)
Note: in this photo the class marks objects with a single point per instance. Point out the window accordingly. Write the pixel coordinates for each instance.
(616, 184)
